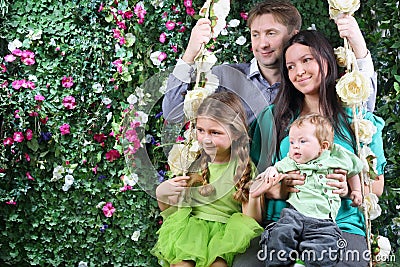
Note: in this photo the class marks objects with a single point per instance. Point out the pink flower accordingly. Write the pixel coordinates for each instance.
(67, 82)
(121, 24)
(8, 141)
(174, 48)
(44, 120)
(170, 25)
(190, 11)
(28, 57)
(16, 115)
(112, 155)
(180, 139)
(64, 129)
(108, 209)
(125, 188)
(163, 37)
(39, 97)
(116, 33)
(128, 14)
(187, 3)
(162, 56)
(101, 7)
(69, 102)
(140, 12)
(18, 137)
(29, 176)
(244, 15)
(9, 58)
(17, 52)
(3, 68)
(28, 134)
(99, 137)
(182, 28)
(11, 202)
(27, 157)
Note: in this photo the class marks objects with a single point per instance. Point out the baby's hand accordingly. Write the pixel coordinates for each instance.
(356, 197)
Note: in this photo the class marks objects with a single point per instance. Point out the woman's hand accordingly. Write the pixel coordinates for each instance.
(340, 176)
(290, 180)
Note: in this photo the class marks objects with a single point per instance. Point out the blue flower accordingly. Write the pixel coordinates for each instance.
(158, 115)
(101, 177)
(45, 136)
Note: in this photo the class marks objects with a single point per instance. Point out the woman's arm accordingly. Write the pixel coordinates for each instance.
(253, 208)
(377, 186)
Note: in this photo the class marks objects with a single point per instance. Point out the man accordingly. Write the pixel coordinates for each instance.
(271, 24)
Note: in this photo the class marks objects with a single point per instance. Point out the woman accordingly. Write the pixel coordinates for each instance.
(309, 74)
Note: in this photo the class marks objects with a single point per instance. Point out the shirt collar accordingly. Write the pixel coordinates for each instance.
(254, 70)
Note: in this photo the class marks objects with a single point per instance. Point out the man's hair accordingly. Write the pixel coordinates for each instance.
(323, 127)
(283, 11)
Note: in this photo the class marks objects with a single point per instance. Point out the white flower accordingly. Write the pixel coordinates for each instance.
(100, 205)
(154, 58)
(157, 3)
(193, 99)
(233, 23)
(366, 129)
(34, 35)
(340, 54)
(66, 187)
(241, 40)
(69, 179)
(221, 11)
(82, 264)
(14, 45)
(396, 221)
(372, 206)
(384, 248)
(57, 173)
(132, 99)
(130, 179)
(32, 78)
(135, 236)
(106, 101)
(353, 88)
(97, 88)
(109, 116)
(342, 6)
(180, 158)
(142, 117)
(224, 32)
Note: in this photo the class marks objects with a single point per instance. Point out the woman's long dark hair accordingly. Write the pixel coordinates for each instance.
(289, 101)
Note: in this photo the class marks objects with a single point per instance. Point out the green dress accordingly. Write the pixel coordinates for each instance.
(205, 228)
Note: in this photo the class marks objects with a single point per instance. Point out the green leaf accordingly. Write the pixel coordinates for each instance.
(33, 144)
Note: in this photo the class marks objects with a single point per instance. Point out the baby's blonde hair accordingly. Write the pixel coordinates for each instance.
(323, 126)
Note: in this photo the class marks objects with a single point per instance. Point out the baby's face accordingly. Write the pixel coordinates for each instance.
(304, 145)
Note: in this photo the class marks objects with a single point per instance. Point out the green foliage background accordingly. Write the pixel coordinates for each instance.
(50, 227)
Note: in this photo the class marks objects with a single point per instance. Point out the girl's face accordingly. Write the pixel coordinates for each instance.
(303, 69)
(215, 138)
(304, 145)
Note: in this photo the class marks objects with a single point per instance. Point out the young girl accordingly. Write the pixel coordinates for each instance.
(309, 74)
(210, 229)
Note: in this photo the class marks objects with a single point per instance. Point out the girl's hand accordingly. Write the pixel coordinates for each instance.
(264, 182)
(340, 176)
(171, 187)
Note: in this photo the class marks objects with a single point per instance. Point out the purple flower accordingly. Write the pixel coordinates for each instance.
(44, 136)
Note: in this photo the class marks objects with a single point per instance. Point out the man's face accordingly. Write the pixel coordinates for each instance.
(268, 38)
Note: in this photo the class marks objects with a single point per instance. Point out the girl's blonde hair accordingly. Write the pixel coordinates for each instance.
(226, 108)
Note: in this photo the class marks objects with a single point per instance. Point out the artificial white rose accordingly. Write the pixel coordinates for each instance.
(369, 161)
(353, 88)
(180, 158)
(342, 6)
(193, 99)
(220, 10)
(372, 206)
(384, 248)
(366, 129)
(340, 54)
(241, 40)
(206, 62)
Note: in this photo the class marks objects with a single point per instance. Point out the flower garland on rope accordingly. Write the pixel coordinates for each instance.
(354, 90)
(182, 155)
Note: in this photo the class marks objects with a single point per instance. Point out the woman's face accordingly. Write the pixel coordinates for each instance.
(303, 69)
